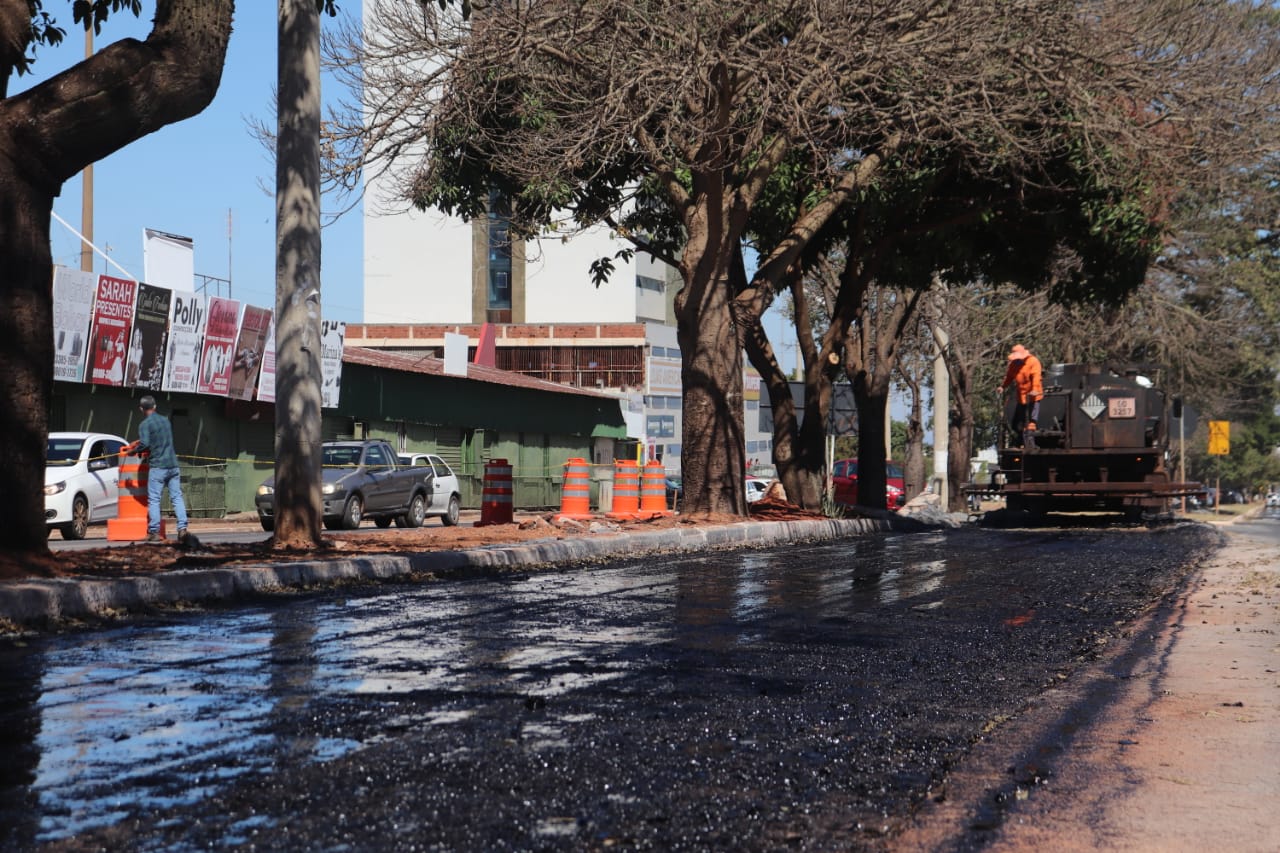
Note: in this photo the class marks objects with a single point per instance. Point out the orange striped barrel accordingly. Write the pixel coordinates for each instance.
(130, 523)
(575, 495)
(653, 489)
(626, 488)
(495, 500)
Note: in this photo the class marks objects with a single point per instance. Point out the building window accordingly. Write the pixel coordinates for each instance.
(499, 298)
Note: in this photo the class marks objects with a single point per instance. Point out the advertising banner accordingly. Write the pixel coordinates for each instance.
(145, 368)
(109, 338)
(219, 344)
(332, 335)
(267, 379)
(249, 348)
(73, 292)
(186, 331)
(663, 377)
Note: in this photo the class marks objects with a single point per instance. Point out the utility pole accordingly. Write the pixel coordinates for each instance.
(941, 400)
(941, 419)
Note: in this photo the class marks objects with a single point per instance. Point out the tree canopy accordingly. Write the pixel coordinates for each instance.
(583, 113)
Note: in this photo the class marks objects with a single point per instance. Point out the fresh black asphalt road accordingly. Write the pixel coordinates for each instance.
(803, 697)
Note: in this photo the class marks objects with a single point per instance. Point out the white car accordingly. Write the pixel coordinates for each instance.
(446, 499)
(81, 480)
(1273, 500)
(756, 488)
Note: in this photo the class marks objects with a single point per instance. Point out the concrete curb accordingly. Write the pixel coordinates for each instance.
(36, 603)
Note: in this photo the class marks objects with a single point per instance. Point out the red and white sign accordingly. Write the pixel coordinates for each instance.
(109, 338)
(217, 356)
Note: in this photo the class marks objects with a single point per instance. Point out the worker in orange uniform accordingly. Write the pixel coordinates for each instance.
(1024, 371)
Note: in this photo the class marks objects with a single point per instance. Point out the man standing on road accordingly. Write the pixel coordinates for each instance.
(155, 439)
(1024, 371)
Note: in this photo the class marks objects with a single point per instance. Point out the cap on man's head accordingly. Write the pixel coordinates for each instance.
(1018, 353)
(147, 403)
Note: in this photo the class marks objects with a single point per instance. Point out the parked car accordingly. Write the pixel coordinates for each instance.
(446, 500)
(1273, 500)
(756, 487)
(675, 491)
(844, 477)
(365, 479)
(81, 480)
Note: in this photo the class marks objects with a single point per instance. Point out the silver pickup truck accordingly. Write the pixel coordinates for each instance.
(362, 479)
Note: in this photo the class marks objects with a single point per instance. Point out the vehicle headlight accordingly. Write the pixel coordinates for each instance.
(266, 489)
(55, 488)
(330, 489)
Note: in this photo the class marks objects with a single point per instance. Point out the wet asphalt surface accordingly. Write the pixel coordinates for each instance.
(799, 698)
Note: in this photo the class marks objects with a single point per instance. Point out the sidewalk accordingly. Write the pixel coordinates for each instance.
(1173, 745)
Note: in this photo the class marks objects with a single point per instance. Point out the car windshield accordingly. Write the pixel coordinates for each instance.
(340, 457)
(63, 452)
(892, 470)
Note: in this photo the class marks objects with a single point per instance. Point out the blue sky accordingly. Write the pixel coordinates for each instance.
(185, 178)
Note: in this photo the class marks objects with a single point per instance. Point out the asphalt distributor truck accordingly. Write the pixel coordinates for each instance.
(1100, 444)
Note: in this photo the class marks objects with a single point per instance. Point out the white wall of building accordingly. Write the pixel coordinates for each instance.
(417, 268)
(558, 286)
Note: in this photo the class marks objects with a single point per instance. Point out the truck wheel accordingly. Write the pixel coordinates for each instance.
(78, 526)
(450, 517)
(417, 512)
(383, 521)
(352, 513)
(268, 522)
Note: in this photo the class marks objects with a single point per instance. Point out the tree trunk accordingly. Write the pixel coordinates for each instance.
(713, 456)
(807, 482)
(798, 454)
(26, 351)
(870, 357)
(298, 502)
(48, 134)
(913, 455)
(871, 405)
(960, 452)
(959, 426)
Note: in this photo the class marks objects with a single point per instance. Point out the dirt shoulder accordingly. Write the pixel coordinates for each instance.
(1176, 746)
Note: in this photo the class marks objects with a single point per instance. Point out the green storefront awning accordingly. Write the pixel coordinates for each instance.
(609, 431)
